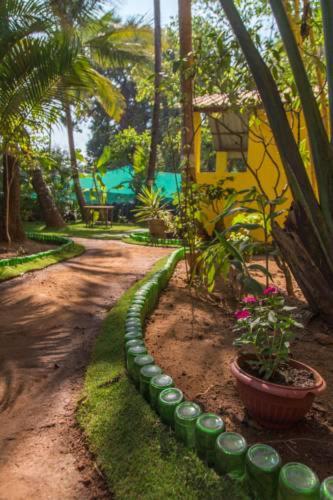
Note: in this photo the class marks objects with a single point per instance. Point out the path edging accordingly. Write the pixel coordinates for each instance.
(64, 244)
(142, 239)
(139, 457)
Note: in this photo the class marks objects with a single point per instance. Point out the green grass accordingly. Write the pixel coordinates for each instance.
(79, 230)
(140, 457)
(9, 272)
(131, 241)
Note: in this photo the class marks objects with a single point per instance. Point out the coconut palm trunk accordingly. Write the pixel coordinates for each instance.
(185, 41)
(155, 130)
(11, 227)
(51, 215)
(73, 160)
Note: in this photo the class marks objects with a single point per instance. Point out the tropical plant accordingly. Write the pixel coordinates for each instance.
(307, 240)
(104, 43)
(228, 258)
(151, 205)
(265, 327)
(37, 66)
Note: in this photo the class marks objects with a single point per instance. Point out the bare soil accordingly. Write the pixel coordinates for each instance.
(48, 323)
(27, 247)
(192, 340)
(292, 377)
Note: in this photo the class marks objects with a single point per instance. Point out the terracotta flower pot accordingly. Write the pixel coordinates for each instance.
(157, 228)
(272, 405)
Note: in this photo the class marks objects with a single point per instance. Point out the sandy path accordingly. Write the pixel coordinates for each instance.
(48, 322)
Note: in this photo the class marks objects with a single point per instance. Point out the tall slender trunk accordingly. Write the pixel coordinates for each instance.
(11, 227)
(185, 41)
(74, 167)
(155, 130)
(50, 212)
(327, 13)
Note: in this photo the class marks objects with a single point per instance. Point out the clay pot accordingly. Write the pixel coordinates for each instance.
(157, 228)
(272, 405)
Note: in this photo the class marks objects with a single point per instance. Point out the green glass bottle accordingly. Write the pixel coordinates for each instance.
(167, 402)
(146, 374)
(135, 309)
(156, 386)
(139, 302)
(133, 328)
(132, 343)
(139, 362)
(326, 489)
(230, 453)
(208, 426)
(133, 315)
(186, 415)
(132, 335)
(132, 353)
(133, 322)
(298, 482)
(263, 465)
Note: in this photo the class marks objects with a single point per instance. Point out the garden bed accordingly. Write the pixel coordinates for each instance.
(139, 456)
(45, 250)
(191, 339)
(27, 247)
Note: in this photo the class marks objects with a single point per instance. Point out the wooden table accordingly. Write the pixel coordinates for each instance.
(106, 208)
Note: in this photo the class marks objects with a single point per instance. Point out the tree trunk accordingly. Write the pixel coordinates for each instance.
(185, 41)
(51, 214)
(11, 228)
(74, 167)
(302, 255)
(327, 13)
(155, 130)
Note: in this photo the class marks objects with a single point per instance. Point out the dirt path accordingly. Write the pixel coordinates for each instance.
(48, 322)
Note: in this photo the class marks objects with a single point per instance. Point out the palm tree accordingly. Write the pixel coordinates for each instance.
(185, 42)
(51, 215)
(39, 68)
(31, 68)
(104, 43)
(155, 132)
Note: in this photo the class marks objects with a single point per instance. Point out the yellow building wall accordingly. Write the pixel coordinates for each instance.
(265, 161)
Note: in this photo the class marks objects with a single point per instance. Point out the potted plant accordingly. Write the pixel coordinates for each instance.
(276, 390)
(153, 210)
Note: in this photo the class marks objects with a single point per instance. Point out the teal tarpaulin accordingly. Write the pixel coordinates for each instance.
(118, 189)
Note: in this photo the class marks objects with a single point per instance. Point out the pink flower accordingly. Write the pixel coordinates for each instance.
(250, 299)
(271, 290)
(243, 314)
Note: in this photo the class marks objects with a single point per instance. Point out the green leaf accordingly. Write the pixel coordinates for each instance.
(259, 267)
(272, 318)
(252, 286)
(237, 227)
(104, 159)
